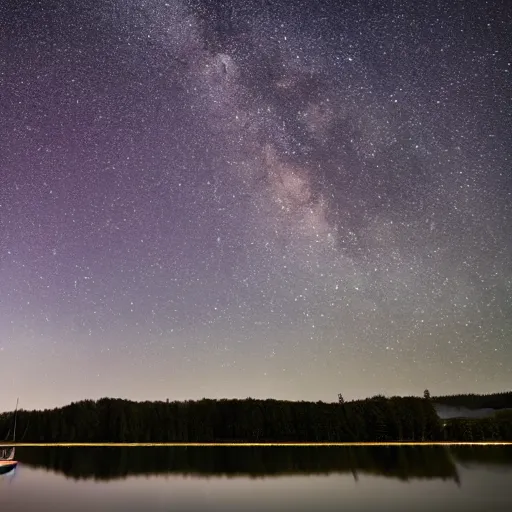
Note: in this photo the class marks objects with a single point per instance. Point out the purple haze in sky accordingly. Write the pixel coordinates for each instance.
(254, 198)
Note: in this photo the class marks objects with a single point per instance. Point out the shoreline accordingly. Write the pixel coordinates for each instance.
(241, 444)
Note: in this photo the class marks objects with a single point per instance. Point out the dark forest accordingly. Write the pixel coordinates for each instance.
(376, 419)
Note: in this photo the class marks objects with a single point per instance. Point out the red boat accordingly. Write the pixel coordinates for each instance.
(7, 462)
(6, 466)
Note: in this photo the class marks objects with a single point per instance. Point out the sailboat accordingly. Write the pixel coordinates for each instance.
(7, 453)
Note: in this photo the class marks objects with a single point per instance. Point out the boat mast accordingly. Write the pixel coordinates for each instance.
(15, 418)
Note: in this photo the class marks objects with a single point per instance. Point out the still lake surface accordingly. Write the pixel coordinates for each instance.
(316, 479)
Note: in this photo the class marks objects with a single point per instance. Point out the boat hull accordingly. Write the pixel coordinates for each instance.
(7, 466)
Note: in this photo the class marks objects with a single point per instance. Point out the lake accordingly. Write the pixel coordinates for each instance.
(260, 479)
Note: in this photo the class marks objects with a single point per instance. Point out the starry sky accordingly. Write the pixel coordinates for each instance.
(237, 198)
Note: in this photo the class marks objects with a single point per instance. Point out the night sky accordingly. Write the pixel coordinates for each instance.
(254, 198)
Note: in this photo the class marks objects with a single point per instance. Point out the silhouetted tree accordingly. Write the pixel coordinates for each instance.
(341, 400)
(426, 394)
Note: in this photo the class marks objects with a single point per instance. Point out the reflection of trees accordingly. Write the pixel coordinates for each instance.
(108, 463)
(495, 455)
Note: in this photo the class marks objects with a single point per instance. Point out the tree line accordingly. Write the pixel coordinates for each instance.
(249, 420)
(374, 419)
(471, 401)
(494, 428)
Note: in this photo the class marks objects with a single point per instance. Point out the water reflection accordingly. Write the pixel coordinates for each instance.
(402, 463)
(298, 479)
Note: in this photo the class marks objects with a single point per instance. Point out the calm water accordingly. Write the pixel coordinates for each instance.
(260, 479)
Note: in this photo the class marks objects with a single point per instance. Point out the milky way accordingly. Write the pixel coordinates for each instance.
(254, 198)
